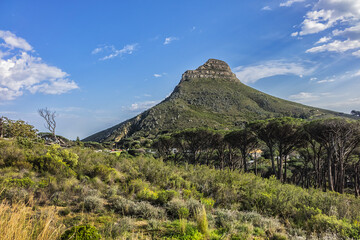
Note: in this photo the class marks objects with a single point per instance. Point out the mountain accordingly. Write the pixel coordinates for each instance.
(210, 96)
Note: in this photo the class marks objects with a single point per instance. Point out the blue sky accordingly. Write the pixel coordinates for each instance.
(97, 63)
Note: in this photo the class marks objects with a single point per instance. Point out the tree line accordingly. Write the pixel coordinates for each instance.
(320, 153)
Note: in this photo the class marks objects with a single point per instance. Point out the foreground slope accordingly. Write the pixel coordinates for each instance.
(210, 96)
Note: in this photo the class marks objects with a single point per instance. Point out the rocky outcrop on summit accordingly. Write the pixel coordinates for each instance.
(210, 96)
(214, 69)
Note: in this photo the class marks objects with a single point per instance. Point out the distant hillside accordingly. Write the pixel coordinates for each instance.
(210, 96)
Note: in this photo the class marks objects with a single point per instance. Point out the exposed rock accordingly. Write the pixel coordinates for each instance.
(213, 68)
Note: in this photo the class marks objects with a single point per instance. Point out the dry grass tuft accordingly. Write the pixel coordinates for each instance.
(19, 221)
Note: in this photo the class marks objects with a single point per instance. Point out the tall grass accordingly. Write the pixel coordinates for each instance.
(19, 221)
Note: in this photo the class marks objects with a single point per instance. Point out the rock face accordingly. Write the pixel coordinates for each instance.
(214, 69)
(210, 96)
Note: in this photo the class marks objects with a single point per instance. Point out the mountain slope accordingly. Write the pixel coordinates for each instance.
(210, 96)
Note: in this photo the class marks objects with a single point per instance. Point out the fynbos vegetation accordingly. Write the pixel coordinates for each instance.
(206, 188)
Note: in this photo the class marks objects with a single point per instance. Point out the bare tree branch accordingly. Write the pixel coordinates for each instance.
(49, 117)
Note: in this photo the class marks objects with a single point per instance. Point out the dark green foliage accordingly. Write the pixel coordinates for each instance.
(82, 232)
(19, 128)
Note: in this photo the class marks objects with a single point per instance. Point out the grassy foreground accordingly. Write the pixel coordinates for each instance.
(48, 192)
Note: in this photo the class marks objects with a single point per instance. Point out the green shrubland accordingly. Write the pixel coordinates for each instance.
(117, 197)
(76, 191)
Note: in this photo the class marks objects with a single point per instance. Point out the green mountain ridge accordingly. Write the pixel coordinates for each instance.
(210, 96)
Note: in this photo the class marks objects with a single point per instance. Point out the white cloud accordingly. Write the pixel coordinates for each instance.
(323, 40)
(356, 54)
(127, 49)
(336, 46)
(313, 79)
(21, 72)
(342, 16)
(12, 41)
(141, 106)
(97, 50)
(157, 75)
(304, 97)
(251, 74)
(326, 81)
(54, 87)
(357, 74)
(168, 40)
(350, 32)
(290, 2)
(266, 8)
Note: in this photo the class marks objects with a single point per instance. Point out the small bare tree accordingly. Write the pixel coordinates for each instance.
(1, 127)
(49, 117)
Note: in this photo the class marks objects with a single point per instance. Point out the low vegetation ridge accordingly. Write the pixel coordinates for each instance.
(210, 96)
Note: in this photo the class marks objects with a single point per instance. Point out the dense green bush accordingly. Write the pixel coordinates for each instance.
(82, 232)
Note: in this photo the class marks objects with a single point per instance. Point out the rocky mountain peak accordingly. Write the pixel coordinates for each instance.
(214, 69)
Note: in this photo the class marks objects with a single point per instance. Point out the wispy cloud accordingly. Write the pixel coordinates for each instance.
(326, 81)
(304, 97)
(336, 46)
(266, 8)
(290, 2)
(251, 74)
(157, 75)
(168, 40)
(323, 40)
(142, 106)
(12, 41)
(21, 72)
(112, 52)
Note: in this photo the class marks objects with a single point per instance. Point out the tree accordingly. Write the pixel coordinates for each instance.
(194, 143)
(50, 123)
(265, 133)
(1, 127)
(245, 140)
(355, 113)
(287, 135)
(164, 145)
(18, 128)
(340, 138)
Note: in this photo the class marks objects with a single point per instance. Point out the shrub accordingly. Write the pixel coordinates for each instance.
(208, 203)
(114, 230)
(105, 173)
(137, 185)
(122, 205)
(224, 219)
(165, 196)
(139, 209)
(176, 209)
(147, 211)
(193, 206)
(20, 182)
(201, 220)
(148, 195)
(321, 223)
(15, 195)
(82, 232)
(93, 203)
